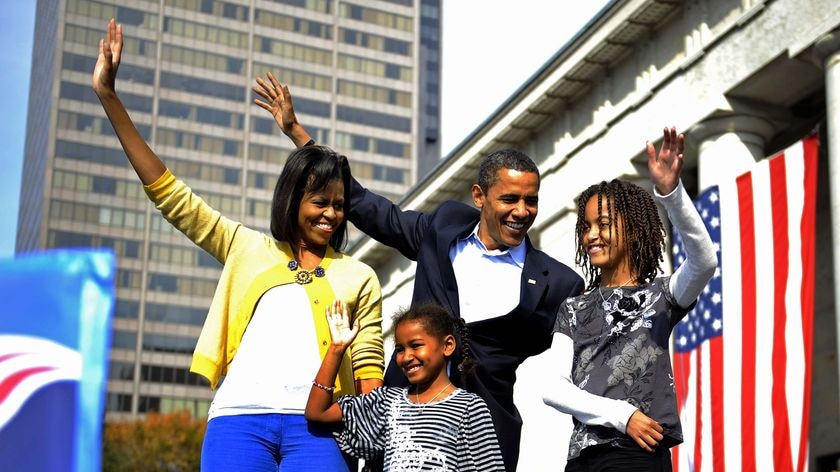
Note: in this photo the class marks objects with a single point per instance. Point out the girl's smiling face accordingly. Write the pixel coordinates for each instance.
(601, 239)
(421, 356)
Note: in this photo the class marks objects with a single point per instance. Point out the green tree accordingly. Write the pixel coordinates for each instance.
(160, 442)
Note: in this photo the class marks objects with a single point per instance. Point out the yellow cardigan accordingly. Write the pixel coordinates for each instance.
(253, 263)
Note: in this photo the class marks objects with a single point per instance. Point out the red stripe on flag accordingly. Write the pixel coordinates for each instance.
(698, 420)
(747, 236)
(806, 229)
(682, 371)
(716, 388)
(781, 269)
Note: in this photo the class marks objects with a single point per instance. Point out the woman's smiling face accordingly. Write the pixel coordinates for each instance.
(319, 215)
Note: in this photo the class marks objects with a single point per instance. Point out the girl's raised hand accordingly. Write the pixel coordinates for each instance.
(665, 167)
(110, 50)
(341, 331)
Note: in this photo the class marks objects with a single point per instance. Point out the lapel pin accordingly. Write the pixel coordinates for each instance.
(532, 281)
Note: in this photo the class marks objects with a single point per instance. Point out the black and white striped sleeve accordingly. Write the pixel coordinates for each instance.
(363, 434)
(478, 446)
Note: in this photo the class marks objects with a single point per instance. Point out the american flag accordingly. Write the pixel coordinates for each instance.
(744, 396)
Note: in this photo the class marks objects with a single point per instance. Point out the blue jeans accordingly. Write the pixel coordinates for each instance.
(270, 442)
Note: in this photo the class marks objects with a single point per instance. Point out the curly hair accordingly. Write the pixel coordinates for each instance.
(642, 235)
(438, 322)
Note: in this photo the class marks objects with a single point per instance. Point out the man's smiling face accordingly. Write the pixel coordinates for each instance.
(508, 208)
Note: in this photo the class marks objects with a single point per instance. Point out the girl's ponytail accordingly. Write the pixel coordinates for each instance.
(468, 362)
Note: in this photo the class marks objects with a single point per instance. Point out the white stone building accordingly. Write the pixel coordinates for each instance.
(743, 78)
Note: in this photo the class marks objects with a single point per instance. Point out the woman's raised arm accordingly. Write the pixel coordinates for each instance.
(145, 162)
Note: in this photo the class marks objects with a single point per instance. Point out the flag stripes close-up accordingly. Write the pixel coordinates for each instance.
(742, 356)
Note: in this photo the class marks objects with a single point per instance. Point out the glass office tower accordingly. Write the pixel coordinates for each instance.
(365, 78)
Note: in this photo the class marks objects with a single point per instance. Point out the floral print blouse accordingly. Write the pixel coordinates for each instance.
(621, 338)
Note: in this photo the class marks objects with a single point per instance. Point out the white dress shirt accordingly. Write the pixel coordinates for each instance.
(488, 281)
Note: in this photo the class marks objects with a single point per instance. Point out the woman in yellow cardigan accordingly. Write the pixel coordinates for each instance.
(266, 332)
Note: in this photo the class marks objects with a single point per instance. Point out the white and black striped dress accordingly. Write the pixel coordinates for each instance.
(453, 434)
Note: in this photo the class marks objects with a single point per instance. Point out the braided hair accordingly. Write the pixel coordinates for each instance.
(438, 322)
(642, 235)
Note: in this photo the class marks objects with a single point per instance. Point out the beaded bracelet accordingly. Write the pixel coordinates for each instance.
(323, 387)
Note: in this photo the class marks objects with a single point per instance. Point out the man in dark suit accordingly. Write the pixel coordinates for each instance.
(478, 262)
(461, 249)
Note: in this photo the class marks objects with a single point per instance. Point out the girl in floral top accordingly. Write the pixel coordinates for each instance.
(619, 329)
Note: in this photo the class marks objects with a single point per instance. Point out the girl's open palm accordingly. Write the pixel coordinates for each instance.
(110, 49)
(341, 331)
(665, 167)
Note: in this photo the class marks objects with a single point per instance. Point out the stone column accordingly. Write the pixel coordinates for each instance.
(728, 146)
(827, 55)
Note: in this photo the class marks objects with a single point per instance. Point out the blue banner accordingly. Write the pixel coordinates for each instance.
(55, 333)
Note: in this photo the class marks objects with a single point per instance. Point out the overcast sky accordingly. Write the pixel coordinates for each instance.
(490, 47)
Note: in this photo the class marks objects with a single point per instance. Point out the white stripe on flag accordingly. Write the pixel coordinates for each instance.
(764, 325)
(795, 174)
(730, 260)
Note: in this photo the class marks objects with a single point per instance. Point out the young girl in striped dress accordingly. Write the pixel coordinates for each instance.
(430, 425)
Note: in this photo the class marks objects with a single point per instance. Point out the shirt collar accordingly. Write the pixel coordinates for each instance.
(515, 253)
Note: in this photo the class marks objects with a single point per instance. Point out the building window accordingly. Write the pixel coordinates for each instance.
(210, 116)
(293, 24)
(373, 93)
(392, 148)
(389, 174)
(124, 340)
(129, 16)
(84, 93)
(375, 42)
(202, 87)
(378, 17)
(126, 309)
(175, 314)
(154, 342)
(208, 33)
(118, 402)
(379, 120)
(323, 6)
(293, 51)
(174, 375)
(120, 370)
(202, 59)
(197, 408)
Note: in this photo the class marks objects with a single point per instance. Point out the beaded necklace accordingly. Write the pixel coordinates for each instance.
(303, 276)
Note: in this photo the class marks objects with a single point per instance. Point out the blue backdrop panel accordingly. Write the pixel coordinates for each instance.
(55, 332)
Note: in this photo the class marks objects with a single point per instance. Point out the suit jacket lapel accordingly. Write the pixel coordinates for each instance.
(446, 239)
(534, 280)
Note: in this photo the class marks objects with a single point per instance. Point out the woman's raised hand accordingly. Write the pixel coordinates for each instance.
(110, 49)
(341, 331)
(665, 167)
(277, 101)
